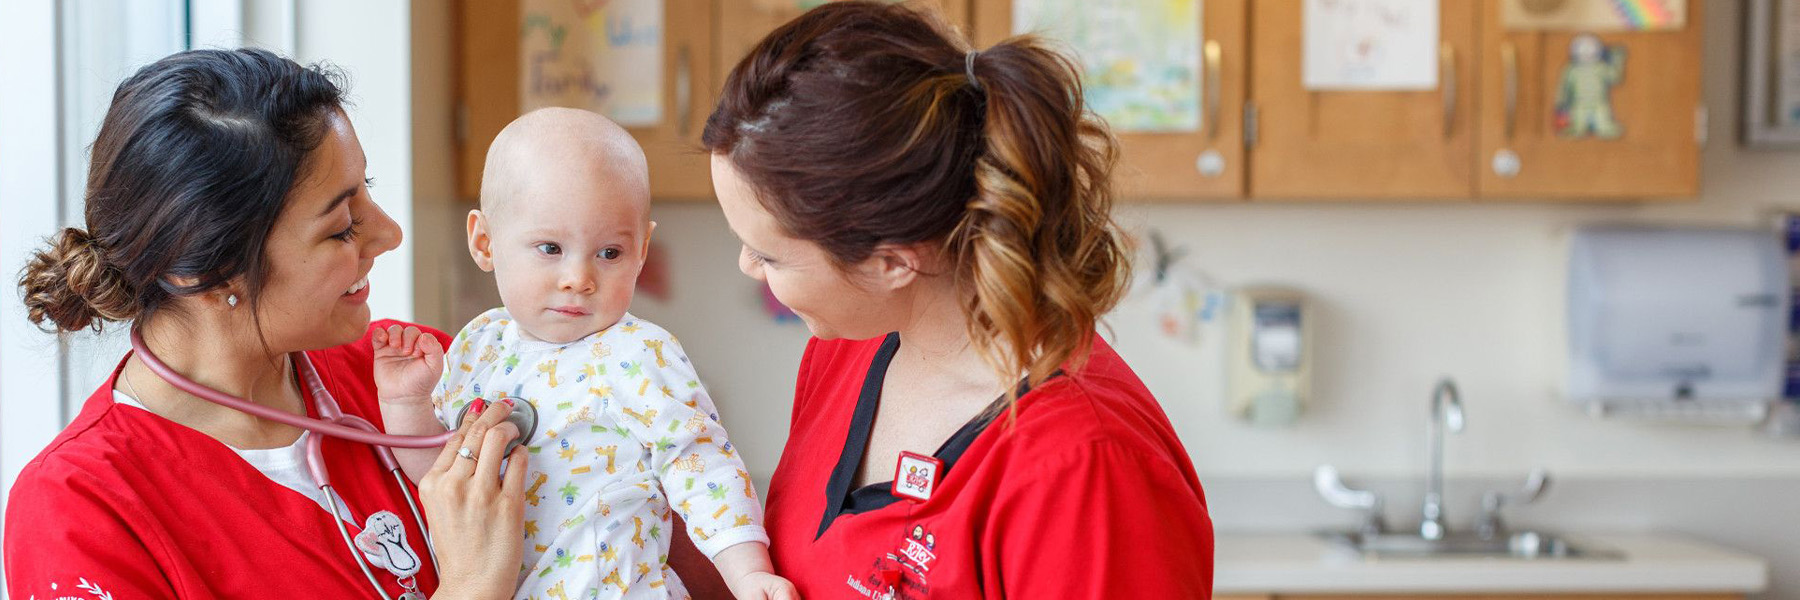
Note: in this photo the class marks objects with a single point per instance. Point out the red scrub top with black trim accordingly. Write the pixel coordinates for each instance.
(127, 504)
(1087, 494)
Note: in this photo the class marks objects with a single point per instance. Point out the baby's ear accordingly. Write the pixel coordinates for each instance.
(648, 233)
(480, 244)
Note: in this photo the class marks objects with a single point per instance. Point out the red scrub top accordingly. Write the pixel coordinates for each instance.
(127, 504)
(1087, 494)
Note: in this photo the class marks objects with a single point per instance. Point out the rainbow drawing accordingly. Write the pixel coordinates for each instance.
(1645, 14)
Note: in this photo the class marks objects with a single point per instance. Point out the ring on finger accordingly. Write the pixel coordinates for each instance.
(465, 452)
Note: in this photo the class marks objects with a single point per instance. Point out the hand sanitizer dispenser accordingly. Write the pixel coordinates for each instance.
(1270, 356)
(1681, 323)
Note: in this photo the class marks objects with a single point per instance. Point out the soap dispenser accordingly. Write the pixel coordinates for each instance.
(1270, 355)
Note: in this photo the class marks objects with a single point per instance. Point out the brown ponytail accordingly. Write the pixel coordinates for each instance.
(1046, 258)
(862, 123)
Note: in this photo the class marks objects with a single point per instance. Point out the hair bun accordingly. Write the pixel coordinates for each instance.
(71, 285)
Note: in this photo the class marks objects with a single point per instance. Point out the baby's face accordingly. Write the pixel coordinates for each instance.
(567, 257)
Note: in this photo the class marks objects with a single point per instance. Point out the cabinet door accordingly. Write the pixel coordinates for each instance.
(487, 84)
(1336, 144)
(488, 87)
(1207, 164)
(743, 23)
(1655, 106)
(679, 169)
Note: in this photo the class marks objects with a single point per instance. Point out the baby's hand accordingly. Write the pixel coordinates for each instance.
(763, 585)
(408, 363)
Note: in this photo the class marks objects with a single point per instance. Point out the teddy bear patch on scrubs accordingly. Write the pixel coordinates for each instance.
(1584, 95)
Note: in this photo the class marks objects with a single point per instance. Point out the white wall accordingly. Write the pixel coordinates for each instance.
(30, 382)
(1404, 293)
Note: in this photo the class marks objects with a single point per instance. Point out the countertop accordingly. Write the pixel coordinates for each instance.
(1279, 563)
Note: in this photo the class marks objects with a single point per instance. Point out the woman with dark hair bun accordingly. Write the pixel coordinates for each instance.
(940, 218)
(229, 223)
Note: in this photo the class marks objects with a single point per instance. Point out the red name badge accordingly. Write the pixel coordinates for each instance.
(916, 476)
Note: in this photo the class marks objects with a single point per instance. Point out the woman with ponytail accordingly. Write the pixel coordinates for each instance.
(940, 218)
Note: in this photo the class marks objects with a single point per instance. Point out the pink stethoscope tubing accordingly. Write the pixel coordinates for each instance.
(331, 422)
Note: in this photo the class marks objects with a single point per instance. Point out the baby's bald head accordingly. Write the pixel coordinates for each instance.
(564, 223)
(564, 155)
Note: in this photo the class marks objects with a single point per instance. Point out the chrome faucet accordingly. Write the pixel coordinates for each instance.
(1446, 411)
(1489, 526)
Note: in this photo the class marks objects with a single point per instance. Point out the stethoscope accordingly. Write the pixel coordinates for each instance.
(383, 539)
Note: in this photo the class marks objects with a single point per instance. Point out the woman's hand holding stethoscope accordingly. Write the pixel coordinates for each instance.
(477, 518)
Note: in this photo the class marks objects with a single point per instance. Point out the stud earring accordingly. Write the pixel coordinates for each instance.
(231, 299)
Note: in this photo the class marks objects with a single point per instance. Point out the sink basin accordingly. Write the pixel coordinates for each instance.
(1520, 544)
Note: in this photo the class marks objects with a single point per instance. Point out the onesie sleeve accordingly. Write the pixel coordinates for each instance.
(667, 408)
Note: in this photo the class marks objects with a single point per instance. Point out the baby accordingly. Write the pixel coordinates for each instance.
(626, 433)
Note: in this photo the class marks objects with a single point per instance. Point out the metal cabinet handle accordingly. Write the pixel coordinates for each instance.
(684, 93)
(1448, 87)
(1509, 65)
(1214, 78)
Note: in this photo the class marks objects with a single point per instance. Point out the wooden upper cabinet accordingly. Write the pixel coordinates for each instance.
(1495, 105)
(1360, 145)
(1193, 165)
(487, 83)
(743, 23)
(488, 90)
(1655, 105)
(679, 168)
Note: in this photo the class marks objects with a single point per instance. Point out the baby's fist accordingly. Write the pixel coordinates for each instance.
(408, 363)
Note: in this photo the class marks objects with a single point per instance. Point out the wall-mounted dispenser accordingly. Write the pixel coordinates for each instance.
(1678, 323)
(1270, 355)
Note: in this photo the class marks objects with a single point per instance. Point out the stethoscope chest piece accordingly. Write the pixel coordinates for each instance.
(523, 415)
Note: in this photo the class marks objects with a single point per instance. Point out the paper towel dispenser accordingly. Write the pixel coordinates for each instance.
(1676, 317)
